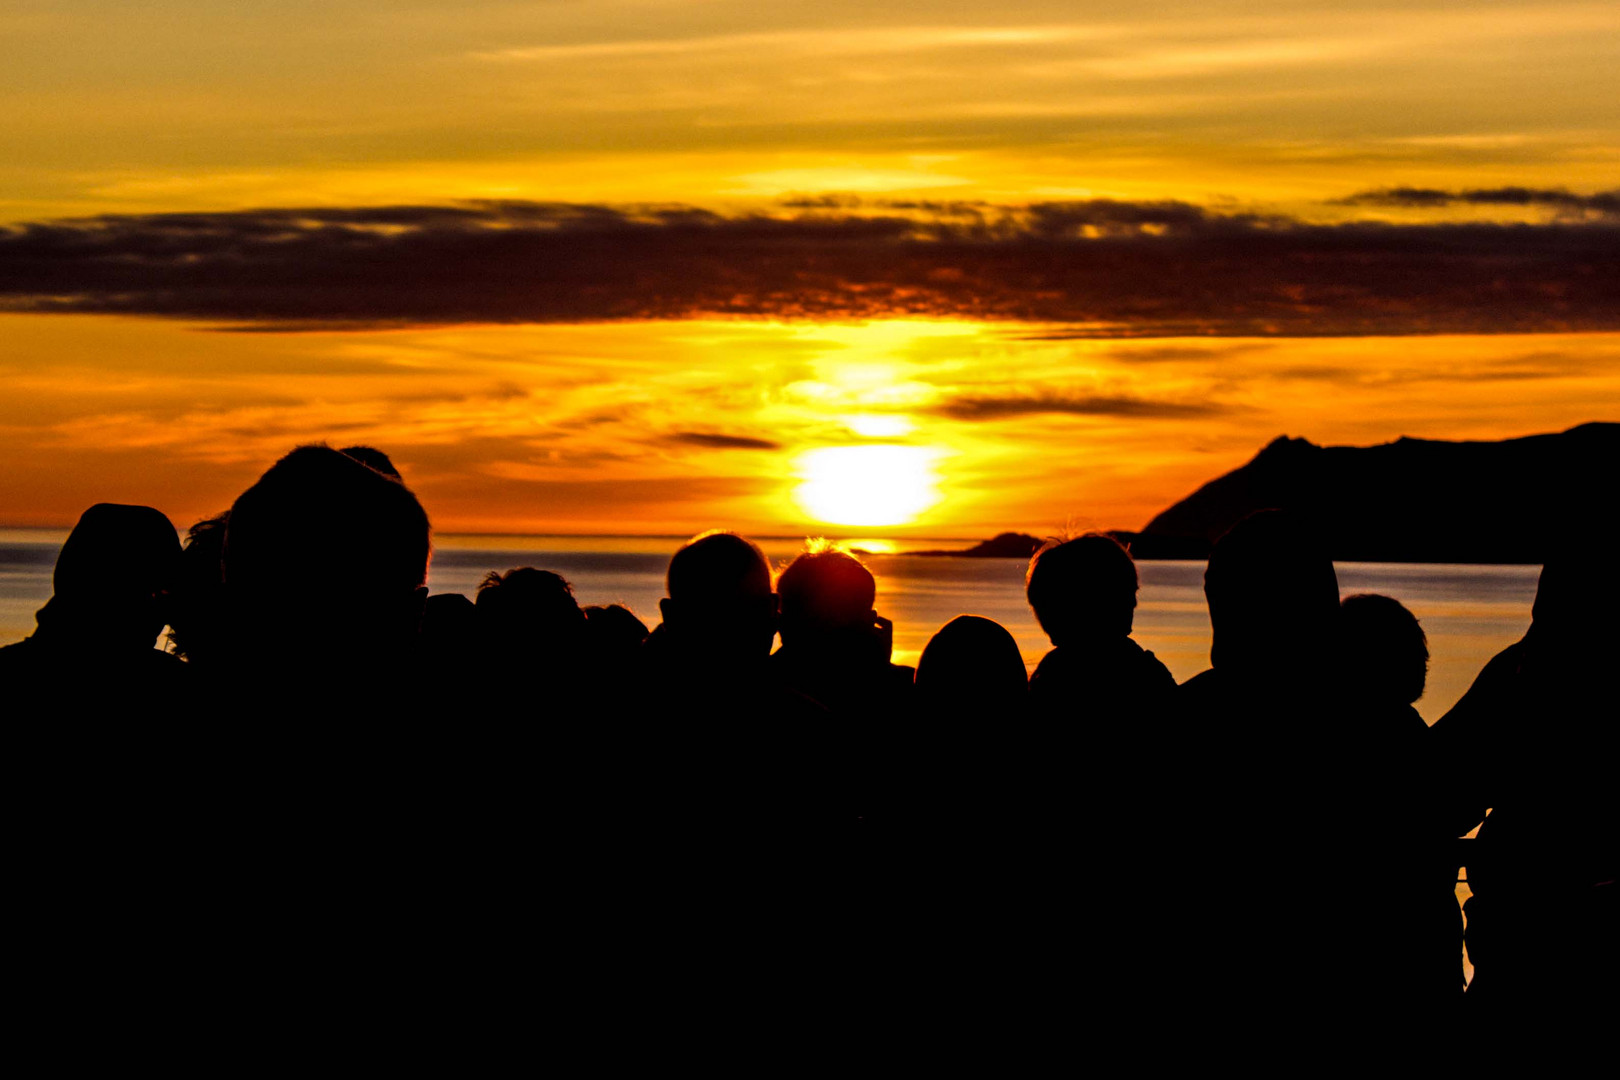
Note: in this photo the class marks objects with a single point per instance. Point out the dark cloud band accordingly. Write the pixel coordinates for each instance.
(1602, 204)
(1004, 407)
(1103, 268)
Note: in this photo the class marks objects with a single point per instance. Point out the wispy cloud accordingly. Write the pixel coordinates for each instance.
(1002, 407)
(716, 441)
(1104, 268)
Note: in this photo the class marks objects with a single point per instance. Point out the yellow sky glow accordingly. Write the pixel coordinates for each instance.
(945, 425)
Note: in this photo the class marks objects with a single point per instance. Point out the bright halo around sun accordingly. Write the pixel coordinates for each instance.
(868, 485)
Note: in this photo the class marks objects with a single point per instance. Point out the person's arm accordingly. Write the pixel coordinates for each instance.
(1464, 740)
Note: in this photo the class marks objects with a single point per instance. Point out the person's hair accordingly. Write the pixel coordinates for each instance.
(528, 600)
(716, 566)
(1272, 591)
(114, 576)
(320, 519)
(1085, 587)
(971, 663)
(1578, 589)
(194, 613)
(117, 551)
(1384, 650)
(615, 626)
(825, 590)
(370, 455)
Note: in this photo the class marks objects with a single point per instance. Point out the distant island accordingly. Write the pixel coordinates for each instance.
(1411, 500)
(1007, 545)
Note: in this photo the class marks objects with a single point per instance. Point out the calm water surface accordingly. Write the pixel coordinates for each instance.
(1469, 612)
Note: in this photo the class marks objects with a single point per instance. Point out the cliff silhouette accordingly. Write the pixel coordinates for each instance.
(1411, 500)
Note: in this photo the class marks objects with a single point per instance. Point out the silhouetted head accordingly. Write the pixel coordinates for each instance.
(614, 630)
(1273, 595)
(972, 666)
(197, 608)
(1384, 651)
(826, 595)
(720, 598)
(447, 617)
(329, 549)
(114, 574)
(529, 608)
(1578, 592)
(1082, 589)
(448, 641)
(370, 455)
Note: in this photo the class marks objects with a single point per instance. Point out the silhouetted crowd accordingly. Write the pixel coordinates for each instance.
(331, 779)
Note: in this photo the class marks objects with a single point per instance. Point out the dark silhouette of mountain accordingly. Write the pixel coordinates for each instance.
(1412, 500)
(1007, 545)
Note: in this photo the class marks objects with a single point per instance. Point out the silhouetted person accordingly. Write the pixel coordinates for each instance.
(1083, 593)
(197, 607)
(92, 656)
(1252, 773)
(1403, 946)
(324, 565)
(1534, 739)
(349, 839)
(94, 718)
(718, 786)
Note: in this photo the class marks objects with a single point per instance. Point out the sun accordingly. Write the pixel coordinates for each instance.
(868, 485)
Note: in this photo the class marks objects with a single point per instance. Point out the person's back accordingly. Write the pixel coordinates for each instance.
(325, 773)
(1253, 776)
(1401, 942)
(1083, 593)
(713, 734)
(1534, 739)
(95, 719)
(722, 790)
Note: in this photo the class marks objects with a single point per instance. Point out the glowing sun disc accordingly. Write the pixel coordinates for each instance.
(867, 485)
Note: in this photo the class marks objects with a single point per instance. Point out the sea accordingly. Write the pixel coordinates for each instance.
(1469, 612)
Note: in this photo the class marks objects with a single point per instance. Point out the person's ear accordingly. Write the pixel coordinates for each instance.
(665, 607)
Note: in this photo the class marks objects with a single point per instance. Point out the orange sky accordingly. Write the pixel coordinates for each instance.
(878, 289)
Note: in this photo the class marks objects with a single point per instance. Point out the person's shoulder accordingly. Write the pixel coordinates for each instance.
(1505, 663)
(1204, 683)
(1155, 671)
(17, 649)
(17, 660)
(1053, 675)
